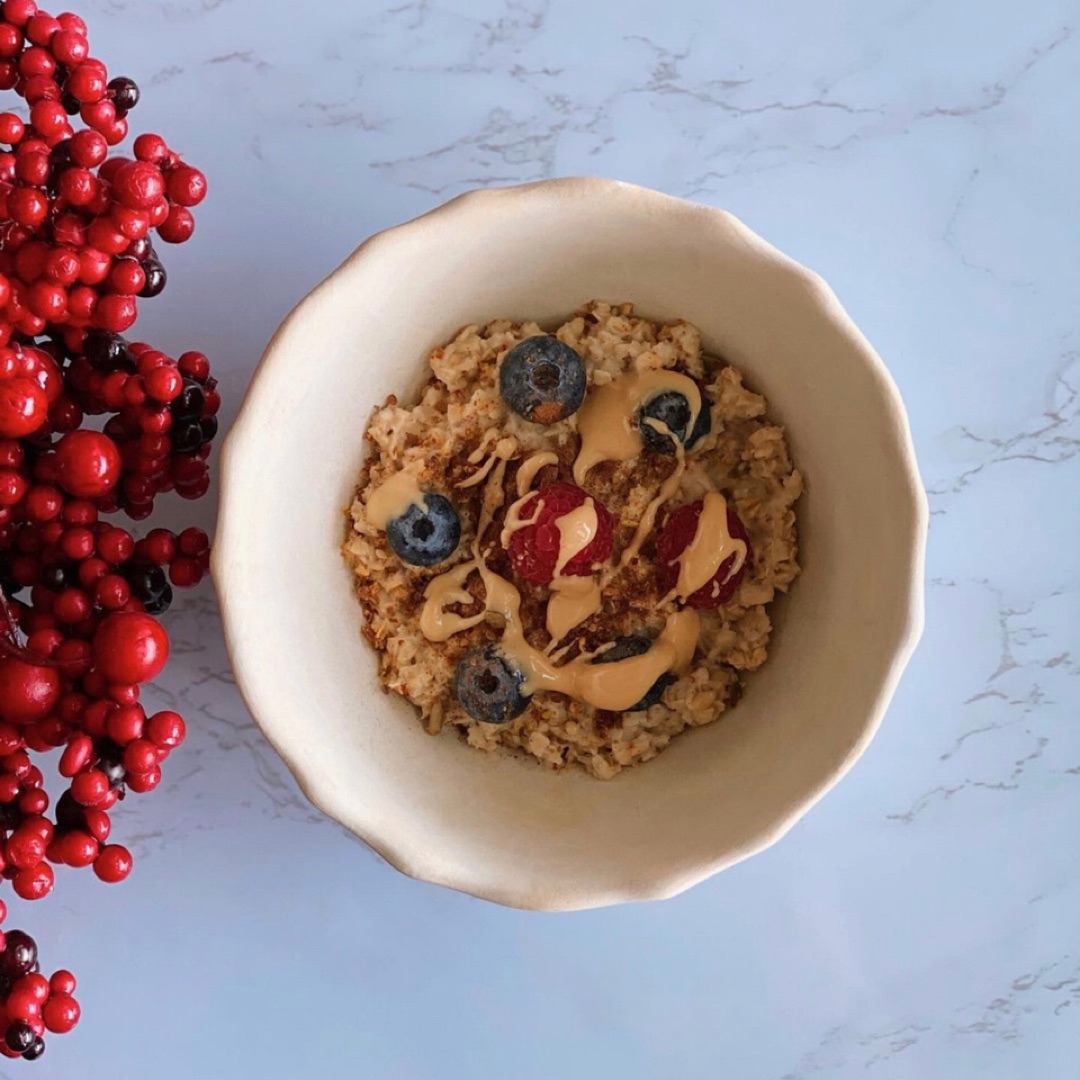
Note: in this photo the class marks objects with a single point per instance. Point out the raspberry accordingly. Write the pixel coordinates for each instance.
(675, 537)
(534, 549)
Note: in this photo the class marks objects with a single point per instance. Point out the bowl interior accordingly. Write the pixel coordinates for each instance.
(499, 826)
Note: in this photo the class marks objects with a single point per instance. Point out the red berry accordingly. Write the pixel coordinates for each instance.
(27, 692)
(116, 313)
(90, 788)
(62, 981)
(127, 277)
(61, 1012)
(138, 184)
(24, 849)
(70, 47)
(185, 572)
(98, 824)
(48, 117)
(140, 756)
(88, 463)
(195, 366)
(33, 883)
(534, 549)
(19, 12)
(130, 647)
(126, 725)
(21, 1004)
(186, 186)
(11, 128)
(78, 848)
(143, 782)
(86, 84)
(151, 148)
(676, 536)
(34, 983)
(177, 227)
(28, 206)
(113, 864)
(76, 755)
(88, 149)
(115, 545)
(166, 729)
(193, 542)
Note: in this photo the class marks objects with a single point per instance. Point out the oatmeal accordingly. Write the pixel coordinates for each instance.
(567, 546)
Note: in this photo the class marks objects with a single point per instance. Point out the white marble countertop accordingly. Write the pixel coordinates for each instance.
(923, 921)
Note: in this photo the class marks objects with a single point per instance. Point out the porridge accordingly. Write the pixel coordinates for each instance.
(567, 546)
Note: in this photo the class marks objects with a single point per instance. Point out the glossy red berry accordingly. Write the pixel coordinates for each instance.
(90, 788)
(61, 1012)
(23, 407)
(88, 463)
(34, 882)
(178, 226)
(138, 184)
(113, 864)
(27, 691)
(130, 647)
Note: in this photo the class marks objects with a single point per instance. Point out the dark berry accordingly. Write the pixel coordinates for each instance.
(189, 404)
(162, 603)
(37, 1048)
(72, 105)
(623, 649)
(672, 410)
(147, 581)
(124, 93)
(677, 534)
(69, 814)
(141, 250)
(19, 955)
(542, 380)
(534, 550)
(156, 278)
(425, 537)
(488, 686)
(186, 436)
(20, 1036)
(56, 578)
(108, 352)
(208, 425)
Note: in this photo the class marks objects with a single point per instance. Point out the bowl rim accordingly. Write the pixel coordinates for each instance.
(412, 860)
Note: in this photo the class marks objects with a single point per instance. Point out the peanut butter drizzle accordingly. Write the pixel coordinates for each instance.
(393, 497)
(513, 521)
(606, 420)
(503, 451)
(528, 469)
(573, 598)
(707, 551)
(572, 601)
(615, 686)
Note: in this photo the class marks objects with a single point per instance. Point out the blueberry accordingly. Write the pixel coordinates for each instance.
(542, 380)
(623, 649)
(489, 686)
(673, 410)
(425, 537)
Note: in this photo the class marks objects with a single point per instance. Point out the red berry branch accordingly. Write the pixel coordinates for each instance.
(76, 255)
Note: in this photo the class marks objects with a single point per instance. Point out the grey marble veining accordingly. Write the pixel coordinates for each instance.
(922, 922)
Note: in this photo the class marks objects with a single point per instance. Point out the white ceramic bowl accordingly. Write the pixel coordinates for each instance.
(499, 827)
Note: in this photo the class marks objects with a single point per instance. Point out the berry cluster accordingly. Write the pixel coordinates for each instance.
(91, 424)
(32, 1003)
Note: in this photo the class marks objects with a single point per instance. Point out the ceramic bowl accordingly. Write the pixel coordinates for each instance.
(503, 828)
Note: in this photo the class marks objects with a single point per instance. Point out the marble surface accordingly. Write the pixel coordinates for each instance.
(923, 921)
